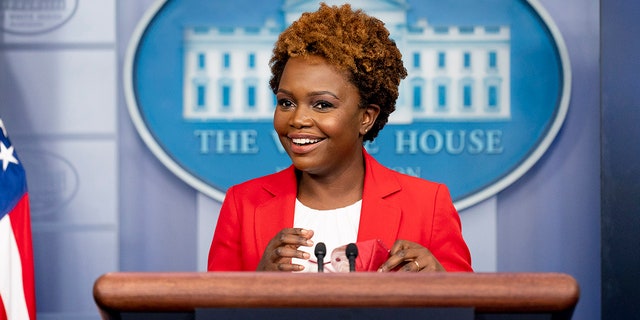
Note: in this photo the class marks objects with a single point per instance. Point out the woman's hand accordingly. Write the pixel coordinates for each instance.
(284, 246)
(409, 256)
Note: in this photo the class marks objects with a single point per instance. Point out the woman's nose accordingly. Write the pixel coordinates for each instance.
(301, 117)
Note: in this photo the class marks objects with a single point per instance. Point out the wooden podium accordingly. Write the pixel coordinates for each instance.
(196, 295)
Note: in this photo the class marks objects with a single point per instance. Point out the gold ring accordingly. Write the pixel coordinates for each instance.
(417, 264)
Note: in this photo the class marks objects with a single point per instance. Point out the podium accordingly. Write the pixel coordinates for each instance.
(272, 295)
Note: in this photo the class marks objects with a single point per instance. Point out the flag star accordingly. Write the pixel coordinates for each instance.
(6, 156)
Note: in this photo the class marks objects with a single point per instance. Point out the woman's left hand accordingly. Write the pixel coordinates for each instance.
(407, 256)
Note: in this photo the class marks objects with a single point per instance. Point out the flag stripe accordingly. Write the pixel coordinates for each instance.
(21, 225)
(3, 313)
(11, 288)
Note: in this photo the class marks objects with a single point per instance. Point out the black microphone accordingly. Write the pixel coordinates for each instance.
(320, 251)
(352, 253)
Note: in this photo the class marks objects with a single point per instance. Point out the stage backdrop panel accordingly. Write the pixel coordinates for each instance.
(58, 100)
(54, 92)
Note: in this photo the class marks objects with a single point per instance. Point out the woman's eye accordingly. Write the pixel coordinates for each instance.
(284, 103)
(323, 105)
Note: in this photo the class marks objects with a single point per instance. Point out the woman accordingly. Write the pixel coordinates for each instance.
(336, 73)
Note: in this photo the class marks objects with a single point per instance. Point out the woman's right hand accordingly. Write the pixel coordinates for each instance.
(284, 246)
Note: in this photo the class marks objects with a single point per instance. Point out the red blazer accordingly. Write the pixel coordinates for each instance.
(394, 206)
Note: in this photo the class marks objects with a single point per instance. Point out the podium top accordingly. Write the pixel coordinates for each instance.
(485, 292)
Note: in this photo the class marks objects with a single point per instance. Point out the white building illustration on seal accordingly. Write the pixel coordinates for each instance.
(456, 73)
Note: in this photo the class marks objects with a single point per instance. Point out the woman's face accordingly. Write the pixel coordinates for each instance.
(318, 119)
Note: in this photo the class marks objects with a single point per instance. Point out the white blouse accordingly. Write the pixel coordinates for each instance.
(335, 227)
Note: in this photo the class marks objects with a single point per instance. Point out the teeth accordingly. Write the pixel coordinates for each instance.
(305, 141)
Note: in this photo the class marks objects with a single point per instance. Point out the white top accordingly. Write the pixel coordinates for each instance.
(335, 227)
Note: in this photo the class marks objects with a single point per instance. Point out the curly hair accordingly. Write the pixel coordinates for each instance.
(352, 41)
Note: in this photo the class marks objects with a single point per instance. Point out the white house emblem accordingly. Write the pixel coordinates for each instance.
(486, 94)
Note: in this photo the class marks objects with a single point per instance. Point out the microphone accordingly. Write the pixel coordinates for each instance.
(352, 253)
(320, 251)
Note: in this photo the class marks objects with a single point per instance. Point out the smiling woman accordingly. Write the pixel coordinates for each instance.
(336, 73)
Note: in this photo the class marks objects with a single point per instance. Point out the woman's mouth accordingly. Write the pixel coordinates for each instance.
(300, 145)
(304, 141)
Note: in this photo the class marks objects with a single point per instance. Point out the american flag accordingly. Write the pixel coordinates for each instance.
(17, 287)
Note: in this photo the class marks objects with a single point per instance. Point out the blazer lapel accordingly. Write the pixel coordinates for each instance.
(276, 213)
(380, 219)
